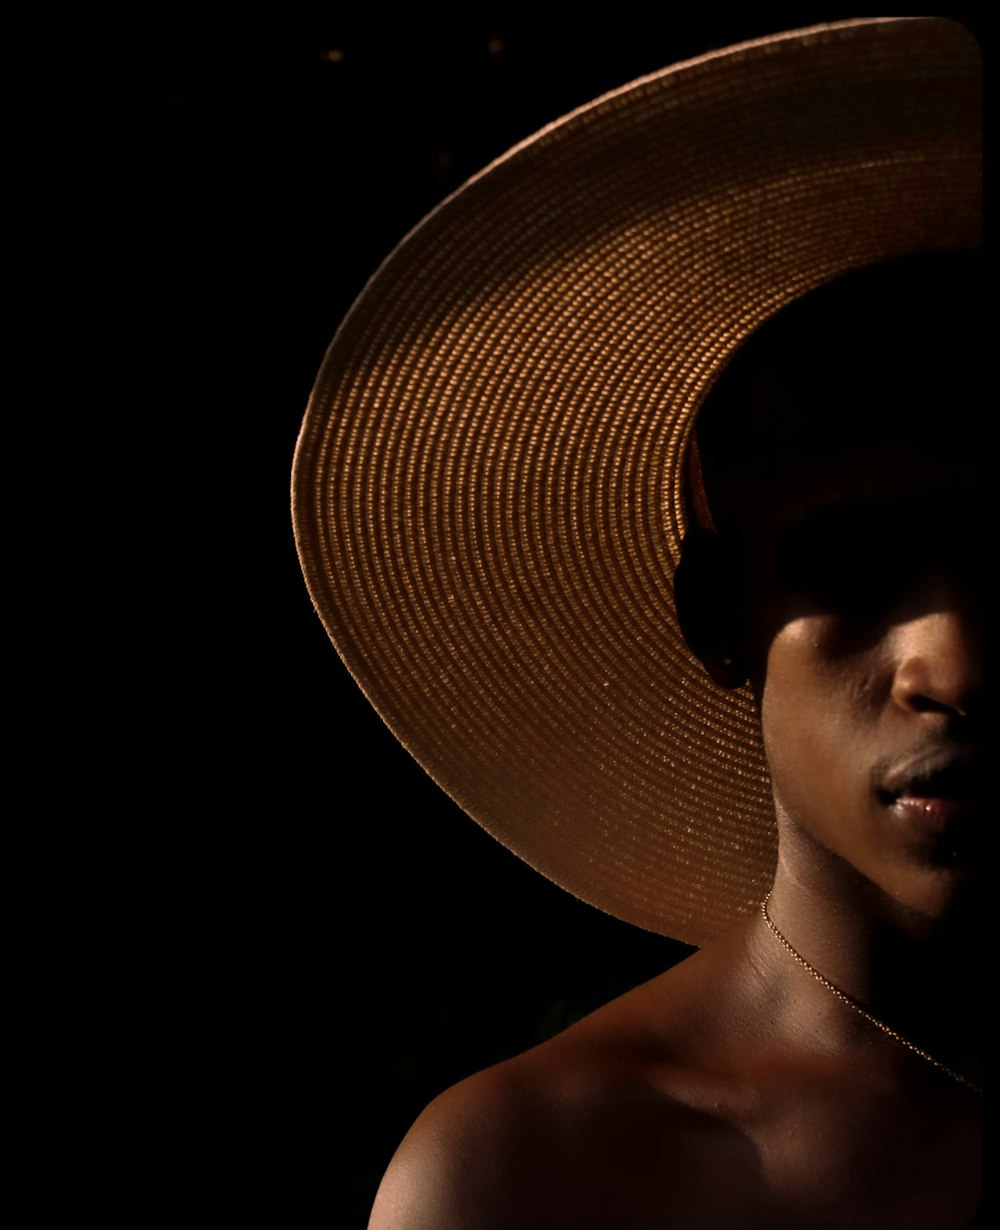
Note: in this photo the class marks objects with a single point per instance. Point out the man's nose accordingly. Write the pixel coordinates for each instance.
(939, 652)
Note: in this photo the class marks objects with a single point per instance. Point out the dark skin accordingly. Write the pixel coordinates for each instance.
(735, 1089)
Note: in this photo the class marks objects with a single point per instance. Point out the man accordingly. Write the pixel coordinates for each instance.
(815, 1063)
(843, 573)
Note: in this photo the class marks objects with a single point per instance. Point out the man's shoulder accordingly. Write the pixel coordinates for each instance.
(634, 1115)
(448, 1162)
(604, 1097)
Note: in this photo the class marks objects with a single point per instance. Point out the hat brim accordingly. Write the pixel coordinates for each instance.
(488, 485)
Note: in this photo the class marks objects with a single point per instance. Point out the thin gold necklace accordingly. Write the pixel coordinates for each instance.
(856, 1007)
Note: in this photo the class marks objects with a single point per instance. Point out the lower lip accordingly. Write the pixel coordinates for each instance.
(934, 814)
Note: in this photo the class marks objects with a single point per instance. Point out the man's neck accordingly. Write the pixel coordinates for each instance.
(920, 976)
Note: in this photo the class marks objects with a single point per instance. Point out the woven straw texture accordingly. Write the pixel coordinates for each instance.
(487, 487)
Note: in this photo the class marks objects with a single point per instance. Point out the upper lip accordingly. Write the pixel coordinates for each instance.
(945, 773)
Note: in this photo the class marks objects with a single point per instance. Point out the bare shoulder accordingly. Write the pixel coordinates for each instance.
(454, 1165)
(552, 1134)
(630, 1117)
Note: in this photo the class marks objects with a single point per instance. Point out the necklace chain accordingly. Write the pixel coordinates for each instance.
(856, 1007)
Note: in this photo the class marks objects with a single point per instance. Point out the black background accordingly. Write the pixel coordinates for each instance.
(336, 942)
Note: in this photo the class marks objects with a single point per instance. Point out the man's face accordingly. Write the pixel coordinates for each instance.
(866, 651)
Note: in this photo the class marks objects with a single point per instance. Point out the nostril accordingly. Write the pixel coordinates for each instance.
(920, 703)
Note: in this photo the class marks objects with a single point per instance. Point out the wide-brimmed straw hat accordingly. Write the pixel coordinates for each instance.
(488, 486)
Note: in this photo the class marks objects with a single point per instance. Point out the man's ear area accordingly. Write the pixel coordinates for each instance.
(709, 595)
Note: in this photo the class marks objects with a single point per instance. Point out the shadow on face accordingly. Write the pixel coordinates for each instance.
(841, 453)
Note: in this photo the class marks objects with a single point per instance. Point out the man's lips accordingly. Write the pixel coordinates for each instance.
(936, 790)
(932, 812)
